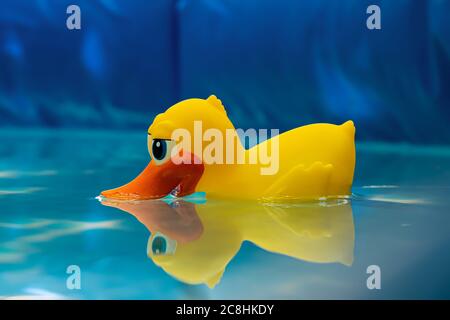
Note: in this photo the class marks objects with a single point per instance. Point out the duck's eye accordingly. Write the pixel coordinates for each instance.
(162, 245)
(160, 149)
(159, 245)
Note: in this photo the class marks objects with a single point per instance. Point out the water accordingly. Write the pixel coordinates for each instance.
(398, 219)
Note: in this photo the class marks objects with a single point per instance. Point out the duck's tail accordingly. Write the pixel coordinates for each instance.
(349, 127)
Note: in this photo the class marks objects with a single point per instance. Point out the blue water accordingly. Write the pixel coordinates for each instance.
(398, 219)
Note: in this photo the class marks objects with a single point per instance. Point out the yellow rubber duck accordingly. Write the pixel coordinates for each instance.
(308, 162)
(194, 243)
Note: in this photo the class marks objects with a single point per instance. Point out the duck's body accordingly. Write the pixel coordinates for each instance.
(308, 162)
(314, 161)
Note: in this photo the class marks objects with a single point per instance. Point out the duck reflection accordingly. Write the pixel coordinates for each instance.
(195, 242)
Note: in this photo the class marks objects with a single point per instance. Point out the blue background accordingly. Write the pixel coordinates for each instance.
(274, 64)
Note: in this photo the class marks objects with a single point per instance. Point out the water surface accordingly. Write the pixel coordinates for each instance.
(398, 219)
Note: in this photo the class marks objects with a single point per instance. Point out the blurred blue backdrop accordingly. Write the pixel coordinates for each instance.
(274, 64)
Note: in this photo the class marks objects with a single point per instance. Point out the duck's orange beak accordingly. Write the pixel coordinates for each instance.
(157, 181)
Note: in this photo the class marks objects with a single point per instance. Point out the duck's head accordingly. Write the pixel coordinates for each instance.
(175, 165)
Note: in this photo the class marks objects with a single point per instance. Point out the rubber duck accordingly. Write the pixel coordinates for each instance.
(194, 243)
(308, 162)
